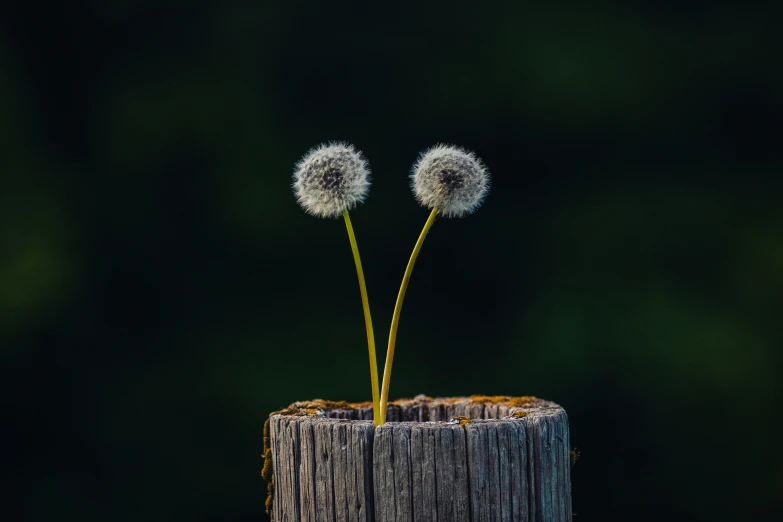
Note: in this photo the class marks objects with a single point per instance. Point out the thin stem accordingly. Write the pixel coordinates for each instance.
(397, 310)
(367, 321)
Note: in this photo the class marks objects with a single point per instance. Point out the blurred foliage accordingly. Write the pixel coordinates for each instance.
(161, 292)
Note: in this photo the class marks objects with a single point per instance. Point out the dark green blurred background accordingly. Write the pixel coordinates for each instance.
(161, 292)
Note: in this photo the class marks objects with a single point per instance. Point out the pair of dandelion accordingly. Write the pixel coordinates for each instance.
(332, 179)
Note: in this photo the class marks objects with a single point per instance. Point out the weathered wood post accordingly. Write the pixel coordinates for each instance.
(461, 459)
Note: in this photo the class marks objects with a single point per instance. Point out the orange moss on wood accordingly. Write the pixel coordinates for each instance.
(407, 401)
(518, 402)
(268, 503)
(266, 470)
(310, 408)
(575, 454)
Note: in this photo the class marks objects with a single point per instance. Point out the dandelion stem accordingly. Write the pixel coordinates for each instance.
(367, 321)
(397, 310)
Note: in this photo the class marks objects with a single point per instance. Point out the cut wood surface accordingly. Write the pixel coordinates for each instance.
(465, 459)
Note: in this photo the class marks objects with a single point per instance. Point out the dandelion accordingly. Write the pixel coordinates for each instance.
(330, 180)
(450, 181)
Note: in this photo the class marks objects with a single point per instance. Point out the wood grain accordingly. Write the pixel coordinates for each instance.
(473, 459)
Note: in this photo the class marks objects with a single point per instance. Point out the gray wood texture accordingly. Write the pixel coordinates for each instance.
(465, 459)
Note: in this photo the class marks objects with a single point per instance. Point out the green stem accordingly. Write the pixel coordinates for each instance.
(397, 310)
(367, 321)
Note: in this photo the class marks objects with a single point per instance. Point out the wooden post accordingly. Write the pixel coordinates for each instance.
(474, 459)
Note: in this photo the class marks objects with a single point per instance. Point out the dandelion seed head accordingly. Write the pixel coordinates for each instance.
(451, 179)
(330, 179)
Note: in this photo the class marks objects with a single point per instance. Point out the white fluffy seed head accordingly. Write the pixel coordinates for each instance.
(331, 178)
(451, 179)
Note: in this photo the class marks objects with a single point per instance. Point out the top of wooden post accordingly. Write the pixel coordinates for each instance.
(423, 408)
